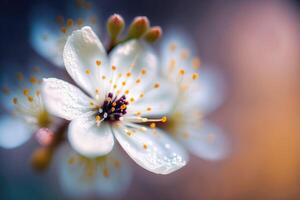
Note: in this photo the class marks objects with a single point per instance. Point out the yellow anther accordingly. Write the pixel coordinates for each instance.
(156, 85)
(80, 22)
(37, 93)
(172, 64)
(131, 99)
(145, 146)
(92, 104)
(181, 71)
(124, 83)
(114, 104)
(33, 80)
(152, 125)
(195, 76)
(172, 47)
(59, 19)
(113, 109)
(128, 74)
(123, 107)
(138, 113)
(88, 72)
(143, 72)
(115, 86)
(25, 92)
(15, 100)
(184, 54)
(164, 119)
(129, 133)
(138, 81)
(120, 75)
(105, 172)
(113, 68)
(196, 62)
(126, 92)
(103, 77)
(69, 22)
(149, 109)
(98, 63)
(30, 98)
(63, 29)
(97, 91)
(98, 118)
(142, 95)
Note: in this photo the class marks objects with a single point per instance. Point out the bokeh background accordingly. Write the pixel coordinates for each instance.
(256, 46)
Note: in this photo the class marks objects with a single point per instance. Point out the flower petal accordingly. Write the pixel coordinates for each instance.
(156, 101)
(207, 141)
(82, 52)
(88, 139)
(64, 99)
(152, 149)
(134, 56)
(14, 132)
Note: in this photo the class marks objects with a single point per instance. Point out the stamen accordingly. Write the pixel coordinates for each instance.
(195, 76)
(98, 63)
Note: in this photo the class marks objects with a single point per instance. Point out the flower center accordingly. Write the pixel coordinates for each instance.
(112, 108)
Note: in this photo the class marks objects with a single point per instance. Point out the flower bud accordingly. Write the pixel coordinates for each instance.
(115, 26)
(138, 27)
(41, 158)
(153, 34)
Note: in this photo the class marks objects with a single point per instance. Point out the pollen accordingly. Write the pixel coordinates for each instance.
(114, 104)
(98, 118)
(63, 29)
(33, 80)
(131, 99)
(15, 100)
(138, 81)
(196, 63)
(156, 85)
(69, 22)
(124, 83)
(105, 172)
(98, 63)
(138, 113)
(103, 77)
(97, 91)
(123, 107)
(181, 71)
(195, 76)
(80, 22)
(149, 109)
(37, 93)
(164, 119)
(30, 98)
(25, 92)
(88, 72)
(172, 47)
(120, 75)
(152, 125)
(128, 74)
(184, 54)
(91, 104)
(145, 146)
(142, 95)
(115, 86)
(143, 72)
(126, 92)
(114, 68)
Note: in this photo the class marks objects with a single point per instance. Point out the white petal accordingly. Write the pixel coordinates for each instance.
(161, 100)
(64, 99)
(81, 176)
(14, 132)
(155, 152)
(88, 139)
(119, 179)
(207, 142)
(134, 56)
(208, 91)
(45, 36)
(82, 50)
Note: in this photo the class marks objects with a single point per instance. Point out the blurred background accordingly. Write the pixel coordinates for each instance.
(256, 46)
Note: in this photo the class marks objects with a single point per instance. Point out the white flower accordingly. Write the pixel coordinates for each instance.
(120, 94)
(107, 176)
(50, 30)
(198, 94)
(25, 110)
